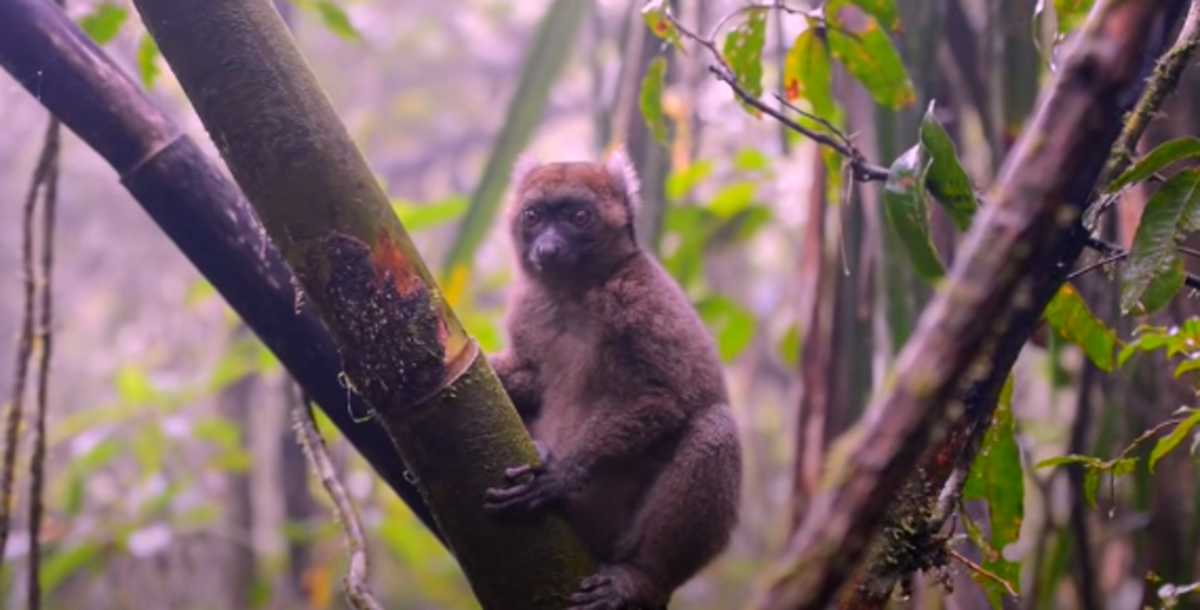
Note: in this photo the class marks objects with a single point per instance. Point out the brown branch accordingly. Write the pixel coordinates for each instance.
(37, 465)
(358, 592)
(43, 177)
(1013, 260)
(984, 572)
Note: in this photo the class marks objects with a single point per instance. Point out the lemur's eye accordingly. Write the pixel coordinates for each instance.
(582, 217)
(530, 217)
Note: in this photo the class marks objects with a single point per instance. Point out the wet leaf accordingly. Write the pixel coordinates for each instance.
(905, 209)
(1071, 318)
(997, 479)
(1162, 156)
(869, 55)
(743, 51)
(947, 180)
(1153, 274)
(1168, 443)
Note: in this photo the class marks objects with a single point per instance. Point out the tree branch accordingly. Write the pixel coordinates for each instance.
(1012, 262)
(358, 592)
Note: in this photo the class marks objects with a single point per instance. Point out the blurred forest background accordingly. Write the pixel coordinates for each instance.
(174, 477)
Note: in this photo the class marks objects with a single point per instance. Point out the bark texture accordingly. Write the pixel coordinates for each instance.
(403, 349)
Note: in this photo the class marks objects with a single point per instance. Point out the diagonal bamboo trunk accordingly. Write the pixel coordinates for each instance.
(404, 350)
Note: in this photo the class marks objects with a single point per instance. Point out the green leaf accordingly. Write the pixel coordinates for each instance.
(420, 217)
(1163, 155)
(883, 11)
(651, 99)
(655, 15)
(1190, 365)
(808, 74)
(61, 565)
(947, 180)
(1091, 485)
(788, 347)
(905, 208)
(104, 23)
(551, 47)
(871, 58)
(743, 51)
(996, 478)
(1087, 461)
(1071, 13)
(147, 61)
(1168, 443)
(134, 386)
(682, 182)
(732, 199)
(751, 160)
(730, 323)
(1153, 261)
(336, 20)
(1070, 317)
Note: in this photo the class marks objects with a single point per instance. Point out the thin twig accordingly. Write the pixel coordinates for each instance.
(37, 465)
(1096, 265)
(358, 593)
(863, 170)
(46, 166)
(1114, 252)
(984, 572)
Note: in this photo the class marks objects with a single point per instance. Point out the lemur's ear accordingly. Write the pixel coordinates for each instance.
(525, 165)
(620, 169)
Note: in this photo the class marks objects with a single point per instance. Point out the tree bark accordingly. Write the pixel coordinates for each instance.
(402, 346)
(1012, 262)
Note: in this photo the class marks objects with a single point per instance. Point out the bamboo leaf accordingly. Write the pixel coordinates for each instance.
(1168, 443)
(551, 46)
(905, 209)
(1071, 318)
(947, 180)
(1162, 156)
(651, 99)
(1153, 273)
(743, 51)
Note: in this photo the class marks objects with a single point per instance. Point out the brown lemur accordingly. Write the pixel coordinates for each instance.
(619, 384)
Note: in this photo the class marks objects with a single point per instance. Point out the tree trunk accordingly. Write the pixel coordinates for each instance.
(403, 348)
